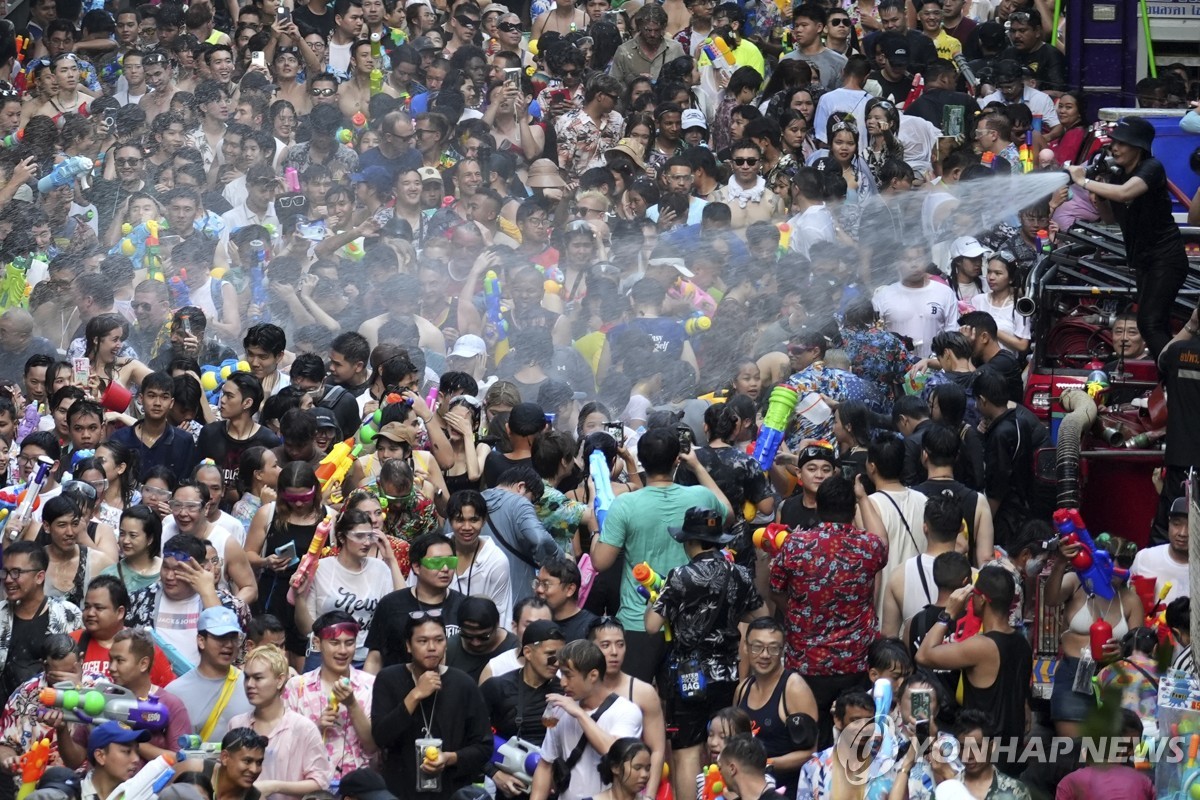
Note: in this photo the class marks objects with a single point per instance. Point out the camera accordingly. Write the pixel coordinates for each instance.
(1102, 165)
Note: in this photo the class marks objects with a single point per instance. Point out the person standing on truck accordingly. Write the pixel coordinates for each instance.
(1177, 363)
(1139, 202)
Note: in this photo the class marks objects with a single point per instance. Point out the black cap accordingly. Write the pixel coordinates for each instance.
(702, 525)
(1179, 508)
(553, 394)
(62, 779)
(364, 784)
(895, 48)
(526, 419)
(992, 36)
(541, 630)
(326, 419)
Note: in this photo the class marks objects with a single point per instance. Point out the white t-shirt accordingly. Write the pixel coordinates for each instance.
(336, 588)
(1038, 101)
(177, 622)
(622, 719)
(1007, 319)
(841, 101)
(339, 57)
(506, 662)
(919, 314)
(488, 576)
(1156, 562)
(813, 224)
(919, 137)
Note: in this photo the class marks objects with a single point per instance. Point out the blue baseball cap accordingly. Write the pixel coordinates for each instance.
(114, 733)
(219, 621)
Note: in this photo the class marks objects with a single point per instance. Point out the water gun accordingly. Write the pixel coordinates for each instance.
(149, 780)
(1156, 619)
(191, 746)
(650, 583)
(967, 73)
(1094, 565)
(366, 434)
(181, 295)
(882, 693)
(14, 287)
(353, 251)
(33, 766)
(516, 757)
(106, 702)
(29, 421)
(779, 412)
(308, 564)
(914, 94)
(598, 468)
(1043, 240)
(29, 498)
(554, 279)
(13, 139)
(213, 377)
(714, 784)
(258, 289)
(699, 299)
(64, 174)
(988, 159)
(1025, 152)
(334, 466)
(495, 315)
(770, 539)
(346, 135)
(697, 323)
(1191, 771)
(785, 239)
(376, 83)
(717, 56)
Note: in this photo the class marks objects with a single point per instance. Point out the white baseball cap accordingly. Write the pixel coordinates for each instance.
(967, 246)
(468, 346)
(693, 118)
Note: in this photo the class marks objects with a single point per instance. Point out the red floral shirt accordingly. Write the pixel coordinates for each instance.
(827, 574)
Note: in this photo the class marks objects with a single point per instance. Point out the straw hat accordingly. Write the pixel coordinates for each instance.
(543, 174)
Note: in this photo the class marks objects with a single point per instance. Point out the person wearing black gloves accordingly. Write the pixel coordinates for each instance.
(434, 709)
(1139, 202)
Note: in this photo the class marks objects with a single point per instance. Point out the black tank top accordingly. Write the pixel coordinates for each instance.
(457, 483)
(772, 730)
(1005, 699)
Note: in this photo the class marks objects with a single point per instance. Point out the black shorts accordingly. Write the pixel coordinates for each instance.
(687, 720)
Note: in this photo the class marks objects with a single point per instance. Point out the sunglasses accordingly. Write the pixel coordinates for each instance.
(128, 162)
(476, 637)
(425, 613)
(746, 162)
(509, 27)
(840, 22)
(326, 92)
(338, 629)
(466, 21)
(246, 737)
(439, 563)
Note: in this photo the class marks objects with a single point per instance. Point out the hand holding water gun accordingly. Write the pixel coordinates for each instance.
(33, 766)
(696, 297)
(516, 757)
(308, 564)
(192, 746)
(650, 583)
(602, 479)
(1094, 566)
(64, 174)
(697, 323)
(714, 784)
(106, 702)
(213, 377)
(333, 467)
(495, 315)
(775, 424)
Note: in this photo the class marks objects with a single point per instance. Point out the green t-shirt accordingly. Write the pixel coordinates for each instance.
(637, 523)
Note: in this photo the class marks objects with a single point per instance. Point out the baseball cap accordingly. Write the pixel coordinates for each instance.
(377, 177)
(895, 48)
(423, 43)
(541, 630)
(114, 733)
(497, 7)
(526, 419)
(694, 118)
(325, 419)
(1179, 507)
(429, 174)
(61, 779)
(218, 621)
(399, 433)
(468, 346)
(364, 784)
(553, 394)
(677, 263)
(967, 246)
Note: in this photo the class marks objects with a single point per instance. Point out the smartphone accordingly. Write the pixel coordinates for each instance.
(512, 75)
(922, 704)
(283, 15)
(258, 58)
(287, 551)
(617, 431)
(82, 368)
(686, 438)
(187, 325)
(110, 122)
(561, 95)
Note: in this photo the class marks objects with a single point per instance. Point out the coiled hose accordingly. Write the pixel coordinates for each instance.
(1081, 415)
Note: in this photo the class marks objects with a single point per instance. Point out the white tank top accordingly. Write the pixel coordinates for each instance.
(915, 598)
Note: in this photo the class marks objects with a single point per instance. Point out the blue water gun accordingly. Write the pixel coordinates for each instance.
(64, 174)
(181, 295)
(258, 289)
(598, 468)
(1094, 566)
(213, 377)
(495, 315)
(779, 413)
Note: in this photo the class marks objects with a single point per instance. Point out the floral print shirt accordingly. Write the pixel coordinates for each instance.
(560, 516)
(582, 144)
(305, 695)
(21, 725)
(836, 383)
(878, 356)
(827, 574)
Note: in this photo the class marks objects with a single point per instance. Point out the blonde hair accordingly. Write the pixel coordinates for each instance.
(272, 656)
(594, 194)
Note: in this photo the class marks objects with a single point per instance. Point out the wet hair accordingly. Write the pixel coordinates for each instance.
(621, 752)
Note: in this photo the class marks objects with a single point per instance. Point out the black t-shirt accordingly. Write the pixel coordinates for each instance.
(515, 707)
(24, 650)
(391, 618)
(305, 17)
(473, 663)
(496, 464)
(576, 626)
(796, 515)
(932, 104)
(1181, 364)
(1146, 221)
(897, 90)
(216, 443)
(1048, 65)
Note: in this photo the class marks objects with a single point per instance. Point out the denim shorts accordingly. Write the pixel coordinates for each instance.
(1066, 704)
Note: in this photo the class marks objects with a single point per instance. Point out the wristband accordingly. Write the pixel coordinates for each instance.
(946, 619)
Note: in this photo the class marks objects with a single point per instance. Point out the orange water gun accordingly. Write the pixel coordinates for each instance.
(714, 784)
(33, 766)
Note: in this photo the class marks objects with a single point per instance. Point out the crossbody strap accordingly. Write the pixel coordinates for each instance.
(577, 753)
(920, 571)
(218, 708)
(500, 541)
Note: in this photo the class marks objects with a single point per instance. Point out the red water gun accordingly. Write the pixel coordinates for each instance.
(771, 538)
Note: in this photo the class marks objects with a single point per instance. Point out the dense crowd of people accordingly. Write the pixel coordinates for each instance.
(389, 391)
